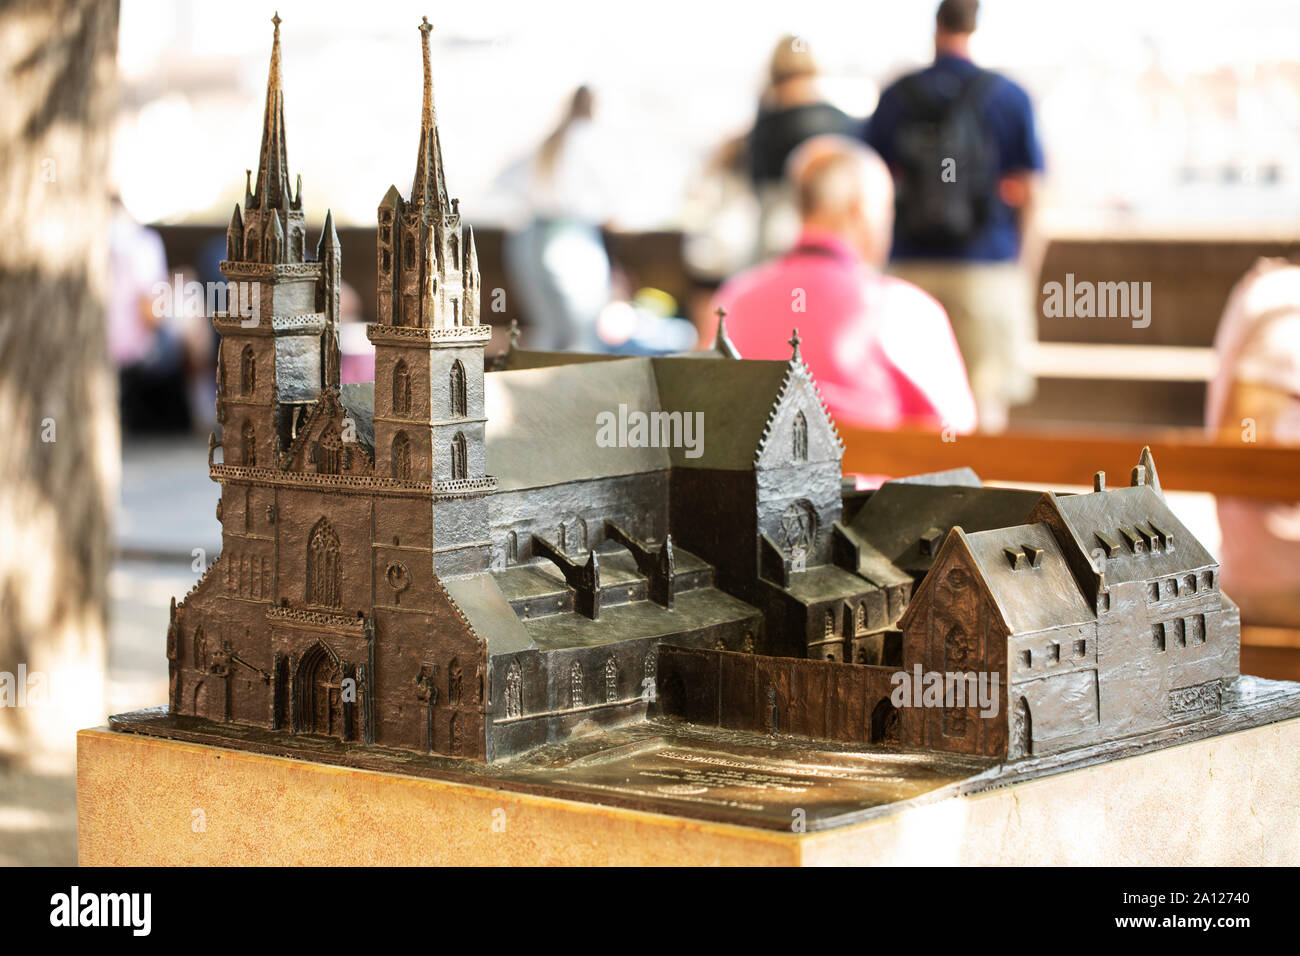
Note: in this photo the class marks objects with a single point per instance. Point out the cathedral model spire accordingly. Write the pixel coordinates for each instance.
(429, 188)
(272, 229)
(273, 161)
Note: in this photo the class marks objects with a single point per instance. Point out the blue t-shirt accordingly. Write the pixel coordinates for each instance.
(1009, 119)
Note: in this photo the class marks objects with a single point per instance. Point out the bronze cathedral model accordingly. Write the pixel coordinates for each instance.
(445, 561)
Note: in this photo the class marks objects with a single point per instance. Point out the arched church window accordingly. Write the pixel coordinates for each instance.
(512, 548)
(250, 243)
(401, 457)
(248, 444)
(576, 696)
(401, 388)
(514, 690)
(459, 453)
(611, 680)
(324, 571)
(459, 402)
(455, 683)
(800, 437)
(830, 624)
(860, 619)
(329, 459)
(247, 371)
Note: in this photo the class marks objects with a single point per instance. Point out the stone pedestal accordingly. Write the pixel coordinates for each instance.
(146, 801)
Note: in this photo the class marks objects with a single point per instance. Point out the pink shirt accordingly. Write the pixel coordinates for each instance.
(881, 351)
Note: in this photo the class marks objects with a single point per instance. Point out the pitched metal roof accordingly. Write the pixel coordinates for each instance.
(1123, 524)
(1031, 593)
(896, 516)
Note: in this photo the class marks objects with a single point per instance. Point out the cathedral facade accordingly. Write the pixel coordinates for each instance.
(445, 560)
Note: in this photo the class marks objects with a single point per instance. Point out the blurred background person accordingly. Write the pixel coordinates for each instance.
(961, 143)
(790, 111)
(558, 260)
(881, 350)
(1255, 396)
(142, 338)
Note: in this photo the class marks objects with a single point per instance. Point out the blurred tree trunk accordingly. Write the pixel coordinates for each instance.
(60, 460)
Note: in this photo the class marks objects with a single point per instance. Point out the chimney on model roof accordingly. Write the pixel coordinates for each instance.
(1139, 476)
(1099, 481)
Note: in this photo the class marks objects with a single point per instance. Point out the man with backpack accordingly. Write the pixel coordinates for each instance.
(961, 145)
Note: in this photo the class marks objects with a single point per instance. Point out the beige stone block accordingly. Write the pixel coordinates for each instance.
(147, 801)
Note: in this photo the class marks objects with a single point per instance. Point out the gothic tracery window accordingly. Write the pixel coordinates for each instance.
(324, 572)
(248, 444)
(401, 457)
(401, 389)
(576, 695)
(611, 680)
(459, 453)
(455, 683)
(459, 402)
(329, 459)
(514, 690)
(247, 371)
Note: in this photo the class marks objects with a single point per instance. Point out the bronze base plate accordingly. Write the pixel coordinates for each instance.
(726, 776)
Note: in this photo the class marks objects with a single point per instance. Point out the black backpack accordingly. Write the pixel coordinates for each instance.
(931, 212)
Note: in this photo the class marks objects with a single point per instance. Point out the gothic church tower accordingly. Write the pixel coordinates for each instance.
(279, 333)
(429, 414)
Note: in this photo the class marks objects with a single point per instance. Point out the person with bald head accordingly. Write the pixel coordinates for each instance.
(881, 351)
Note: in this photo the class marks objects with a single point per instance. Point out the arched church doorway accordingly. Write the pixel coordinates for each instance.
(320, 693)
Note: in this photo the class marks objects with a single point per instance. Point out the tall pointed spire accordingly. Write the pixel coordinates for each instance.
(429, 188)
(273, 163)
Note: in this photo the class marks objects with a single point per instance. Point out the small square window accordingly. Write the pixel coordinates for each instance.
(1027, 658)
(1158, 637)
(1080, 648)
(1054, 653)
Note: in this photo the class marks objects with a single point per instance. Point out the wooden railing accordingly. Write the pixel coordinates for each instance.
(1185, 459)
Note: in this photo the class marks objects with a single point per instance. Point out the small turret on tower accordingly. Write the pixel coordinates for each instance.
(330, 256)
